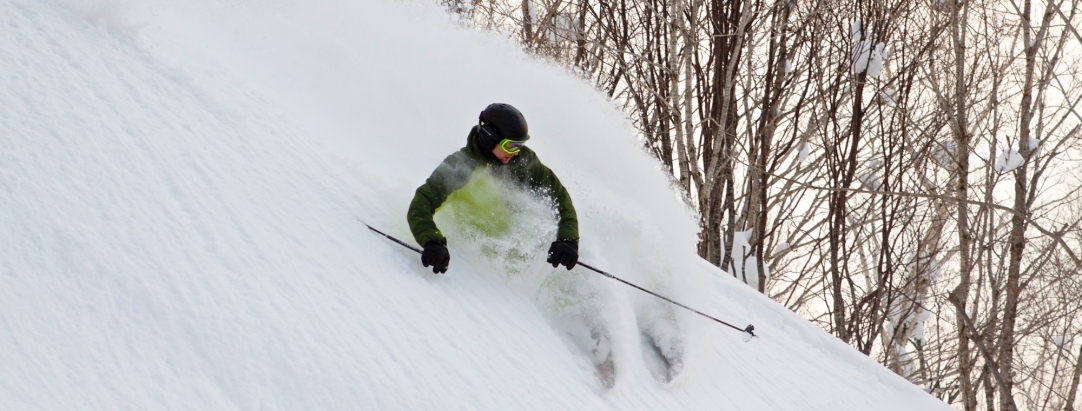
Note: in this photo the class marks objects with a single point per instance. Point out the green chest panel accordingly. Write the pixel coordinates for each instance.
(480, 205)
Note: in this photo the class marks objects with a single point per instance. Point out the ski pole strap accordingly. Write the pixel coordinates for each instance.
(750, 329)
(418, 250)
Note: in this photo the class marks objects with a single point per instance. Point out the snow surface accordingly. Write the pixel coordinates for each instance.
(182, 188)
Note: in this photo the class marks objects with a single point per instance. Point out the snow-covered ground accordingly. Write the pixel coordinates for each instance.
(181, 190)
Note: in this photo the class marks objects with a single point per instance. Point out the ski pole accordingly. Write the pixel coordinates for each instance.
(418, 250)
(750, 329)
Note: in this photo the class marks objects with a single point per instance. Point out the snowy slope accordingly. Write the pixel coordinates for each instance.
(181, 189)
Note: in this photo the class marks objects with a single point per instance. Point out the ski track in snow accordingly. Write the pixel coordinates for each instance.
(181, 186)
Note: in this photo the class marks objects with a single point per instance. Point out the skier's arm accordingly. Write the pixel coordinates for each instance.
(541, 177)
(451, 175)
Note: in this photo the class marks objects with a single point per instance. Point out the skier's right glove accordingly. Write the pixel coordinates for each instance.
(565, 252)
(436, 255)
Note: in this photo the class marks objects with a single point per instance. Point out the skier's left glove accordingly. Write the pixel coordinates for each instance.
(436, 255)
(565, 252)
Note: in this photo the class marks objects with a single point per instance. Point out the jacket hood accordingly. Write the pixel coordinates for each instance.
(474, 149)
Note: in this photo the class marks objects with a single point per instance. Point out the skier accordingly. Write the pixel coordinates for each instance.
(495, 147)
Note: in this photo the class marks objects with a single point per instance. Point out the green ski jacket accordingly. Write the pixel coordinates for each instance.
(457, 170)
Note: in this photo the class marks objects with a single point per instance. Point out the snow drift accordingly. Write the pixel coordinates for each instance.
(182, 185)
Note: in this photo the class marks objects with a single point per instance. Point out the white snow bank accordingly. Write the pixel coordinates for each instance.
(181, 188)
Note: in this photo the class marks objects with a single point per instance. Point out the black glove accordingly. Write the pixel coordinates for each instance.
(564, 252)
(436, 255)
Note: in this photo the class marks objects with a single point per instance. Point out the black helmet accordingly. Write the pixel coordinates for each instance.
(499, 121)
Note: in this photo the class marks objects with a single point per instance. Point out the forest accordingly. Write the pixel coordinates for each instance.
(902, 173)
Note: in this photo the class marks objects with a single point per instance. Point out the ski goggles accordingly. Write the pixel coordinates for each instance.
(510, 146)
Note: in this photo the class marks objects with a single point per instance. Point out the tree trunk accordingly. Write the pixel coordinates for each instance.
(960, 294)
(1075, 382)
(527, 24)
(730, 20)
(1017, 239)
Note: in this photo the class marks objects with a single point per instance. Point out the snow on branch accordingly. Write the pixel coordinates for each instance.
(865, 57)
